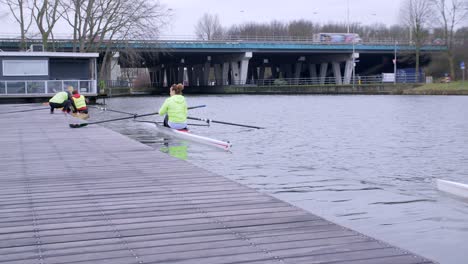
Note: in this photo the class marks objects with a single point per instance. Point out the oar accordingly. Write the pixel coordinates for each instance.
(21, 111)
(222, 122)
(161, 123)
(122, 118)
(127, 113)
(111, 110)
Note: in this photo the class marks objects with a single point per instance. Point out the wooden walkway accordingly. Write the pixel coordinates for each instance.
(91, 195)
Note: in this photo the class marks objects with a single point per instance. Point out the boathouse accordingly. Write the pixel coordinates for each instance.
(32, 75)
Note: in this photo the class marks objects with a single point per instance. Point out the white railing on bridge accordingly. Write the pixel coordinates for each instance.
(39, 87)
(231, 38)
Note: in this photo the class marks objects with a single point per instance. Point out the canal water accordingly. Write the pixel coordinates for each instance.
(366, 162)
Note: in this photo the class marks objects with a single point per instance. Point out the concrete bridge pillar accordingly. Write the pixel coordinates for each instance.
(225, 73)
(274, 72)
(235, 73)
(206, 72)
(298, 70)
(323, 72)
(286, 71)
(218, 70)
(261, 73)
(244, 67)
(190, 75)
(164, 77)
(239, 68)
(313, 73)
(337, 72)
(180, 74)
(198, 69)
(349, 68)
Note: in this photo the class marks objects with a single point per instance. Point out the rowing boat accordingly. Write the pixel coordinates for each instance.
(186, 134)
(454, 188)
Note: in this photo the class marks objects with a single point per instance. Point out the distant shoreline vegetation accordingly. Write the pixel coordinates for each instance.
(453, 88)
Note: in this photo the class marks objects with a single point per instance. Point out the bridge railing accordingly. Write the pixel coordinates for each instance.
(230, 39)
(356, 80)
(38, 87)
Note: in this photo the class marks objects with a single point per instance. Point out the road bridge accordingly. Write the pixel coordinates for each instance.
(243, 61)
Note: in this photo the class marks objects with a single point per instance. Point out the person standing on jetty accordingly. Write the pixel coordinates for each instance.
(61, 100)
(175, 108)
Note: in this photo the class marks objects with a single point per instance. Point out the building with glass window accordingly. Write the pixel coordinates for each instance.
(34, 75)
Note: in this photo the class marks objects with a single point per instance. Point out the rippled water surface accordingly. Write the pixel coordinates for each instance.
(366, 162)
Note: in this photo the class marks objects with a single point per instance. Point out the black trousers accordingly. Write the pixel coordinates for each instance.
(65, 105)
(166, 121)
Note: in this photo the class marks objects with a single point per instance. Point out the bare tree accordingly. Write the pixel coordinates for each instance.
(20, 11)
(98, 23)
(417, 15)
(46, 14)
(208, 27)
(302, 28)
(450, 13)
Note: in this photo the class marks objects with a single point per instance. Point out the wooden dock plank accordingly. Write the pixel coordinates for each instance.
(109, 199)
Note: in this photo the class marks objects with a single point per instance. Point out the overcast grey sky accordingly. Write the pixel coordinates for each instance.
(187, 12)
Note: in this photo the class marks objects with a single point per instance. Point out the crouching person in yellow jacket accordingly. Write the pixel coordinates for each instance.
(79, 103)
(61, 100)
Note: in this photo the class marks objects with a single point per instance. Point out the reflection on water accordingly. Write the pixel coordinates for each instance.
(176, 151)
(366, 162)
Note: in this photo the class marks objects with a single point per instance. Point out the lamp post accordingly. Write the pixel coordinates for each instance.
(395, 63)
(354, 64)
(347, 15)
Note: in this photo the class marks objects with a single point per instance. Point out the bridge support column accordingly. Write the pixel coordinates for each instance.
(225, 76)
(244, 67)
(261, 73)
(286, 70)
(190, 75)
(218, 70)
(235, 73)
(180, 74)
(164, 77)
(323, 72)
(349, 67)
(298, 70)
(198, 74)
(206, 71)
(337, 72)
(274, 72)
(240, 68)
(313, 73)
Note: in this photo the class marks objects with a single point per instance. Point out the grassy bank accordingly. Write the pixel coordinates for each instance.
(454, 88)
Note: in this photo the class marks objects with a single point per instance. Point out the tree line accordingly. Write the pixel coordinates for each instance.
(440, 22)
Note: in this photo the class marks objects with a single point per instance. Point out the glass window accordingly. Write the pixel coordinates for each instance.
(16, 87)
(85, 87)
(54, 86)
(2, 88)
(25, 67)
(35, 87)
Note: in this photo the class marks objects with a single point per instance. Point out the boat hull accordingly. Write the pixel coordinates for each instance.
(226, 145)
(454, 188)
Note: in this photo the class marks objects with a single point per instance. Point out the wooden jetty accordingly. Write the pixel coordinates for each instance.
(91, 195)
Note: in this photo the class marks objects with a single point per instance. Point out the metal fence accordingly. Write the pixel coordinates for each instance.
(37, 87)
(354, 80)
(317, 81)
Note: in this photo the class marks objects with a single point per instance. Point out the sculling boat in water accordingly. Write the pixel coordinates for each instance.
(186, 134)
(454, 188)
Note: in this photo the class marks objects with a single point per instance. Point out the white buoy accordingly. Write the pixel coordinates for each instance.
(454, 188)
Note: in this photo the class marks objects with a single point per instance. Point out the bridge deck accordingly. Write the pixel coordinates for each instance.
(91, 195)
